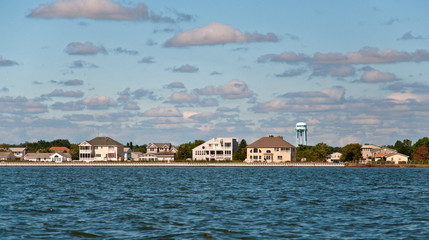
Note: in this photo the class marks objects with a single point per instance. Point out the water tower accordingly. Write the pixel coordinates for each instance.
(301, 133)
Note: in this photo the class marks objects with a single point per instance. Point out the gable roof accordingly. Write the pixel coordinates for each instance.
(62, 149)
(160, 145)
(269, 142)
(104, 141)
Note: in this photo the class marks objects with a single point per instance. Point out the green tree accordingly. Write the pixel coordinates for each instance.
(404, 147)
(184, 151)
(351, 153)
(74, 151)
(241, 152)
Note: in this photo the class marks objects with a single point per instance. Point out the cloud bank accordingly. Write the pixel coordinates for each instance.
(93, 9)
(217, 33)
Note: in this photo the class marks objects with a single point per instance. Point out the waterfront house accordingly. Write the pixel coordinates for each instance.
(127, 153)
(216, 149)
(334, 157)
(271, 149)
(7, 156)
(19, 152)
(161, 151)
(101, 149)
(368, 150)
(48, 157)
(136, 155)
(396, 158)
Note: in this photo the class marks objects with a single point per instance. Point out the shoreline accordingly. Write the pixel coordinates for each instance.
(172, 164)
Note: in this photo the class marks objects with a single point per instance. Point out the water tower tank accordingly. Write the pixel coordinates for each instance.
(301, 133)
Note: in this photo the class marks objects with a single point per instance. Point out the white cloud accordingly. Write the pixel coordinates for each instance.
(182, 97)
(377, 76)
(186, 69)
(235, 89)
(87, 48)
(99, 102)
(372, 55)
(94, 9)
(406, 97)
(217, 33)
(162, 112)
(62, 93)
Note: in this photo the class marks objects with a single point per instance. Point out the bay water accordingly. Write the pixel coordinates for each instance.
(213, 202)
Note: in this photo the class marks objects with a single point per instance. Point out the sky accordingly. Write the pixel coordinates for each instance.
(176, 71)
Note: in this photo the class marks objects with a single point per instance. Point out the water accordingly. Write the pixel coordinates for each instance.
(219, 203)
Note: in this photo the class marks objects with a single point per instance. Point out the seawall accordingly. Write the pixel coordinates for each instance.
(172, 164)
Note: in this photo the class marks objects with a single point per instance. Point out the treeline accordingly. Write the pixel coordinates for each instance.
(184, 151)
(418, 152)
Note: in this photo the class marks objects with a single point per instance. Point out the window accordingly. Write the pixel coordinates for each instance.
(227, 144)
(98, 155)
(96, 147)
(279, 157)
(268, 151)
(276, 149)
(250, 150)
(255, 150)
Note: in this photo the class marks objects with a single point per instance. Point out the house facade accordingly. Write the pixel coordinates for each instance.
(368, 150)
(7, 156)
(47, 157)
(396, 158)
(334, 157)
(271, 149)
(19, 152)
(101, 149)
(218, 149)
(160, 152)
(128, 153)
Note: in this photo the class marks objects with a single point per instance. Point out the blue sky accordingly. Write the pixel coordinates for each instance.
(175, 71)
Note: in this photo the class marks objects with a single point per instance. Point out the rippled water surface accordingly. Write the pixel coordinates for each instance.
(219, 203)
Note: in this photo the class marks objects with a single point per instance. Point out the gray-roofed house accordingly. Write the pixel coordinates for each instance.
(101, 149)
(7, 156)
(48, 157)
(19, 152)
(160, 152)
(271, 149)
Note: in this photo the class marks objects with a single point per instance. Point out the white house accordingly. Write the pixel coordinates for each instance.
(48, 157)
(160, 151)
(101, 149)
(396, 158)
(334, 157)
(216, 149)
(128, 153)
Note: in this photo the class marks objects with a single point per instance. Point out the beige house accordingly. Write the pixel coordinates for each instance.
(367, 151)
(334, 157)
(7, 156)
(160, 152)
(271, 149)
(396, 158)
(101, 149)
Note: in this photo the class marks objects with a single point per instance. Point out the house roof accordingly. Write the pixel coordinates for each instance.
(104, 141)
(59, 149)
(267, 142)
(160, 144)
(393, 154)
(5, 154)
(45, 155)
(18, 149)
